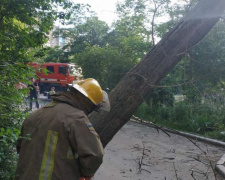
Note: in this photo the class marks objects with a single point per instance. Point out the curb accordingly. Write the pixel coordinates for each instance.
(220, 165)
(220, 168)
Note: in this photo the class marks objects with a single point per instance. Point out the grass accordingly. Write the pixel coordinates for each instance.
(205, 119)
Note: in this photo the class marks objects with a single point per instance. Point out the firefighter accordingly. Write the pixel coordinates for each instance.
(59, 142)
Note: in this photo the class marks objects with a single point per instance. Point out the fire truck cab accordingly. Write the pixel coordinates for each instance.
(58, 75)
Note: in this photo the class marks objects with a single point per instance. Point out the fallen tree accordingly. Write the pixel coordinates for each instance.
(141, 80)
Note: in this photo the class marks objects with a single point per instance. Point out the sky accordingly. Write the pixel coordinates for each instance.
(105, 9)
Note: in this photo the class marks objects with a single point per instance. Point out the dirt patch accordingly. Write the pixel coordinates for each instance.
(139, 152)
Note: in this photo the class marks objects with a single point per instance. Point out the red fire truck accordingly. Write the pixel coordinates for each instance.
(58, 75)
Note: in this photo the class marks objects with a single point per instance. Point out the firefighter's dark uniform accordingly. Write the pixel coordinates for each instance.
(60, 143)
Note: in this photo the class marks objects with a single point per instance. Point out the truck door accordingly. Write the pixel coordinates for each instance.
(62, 75)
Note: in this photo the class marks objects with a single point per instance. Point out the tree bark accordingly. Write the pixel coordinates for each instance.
(129, 93)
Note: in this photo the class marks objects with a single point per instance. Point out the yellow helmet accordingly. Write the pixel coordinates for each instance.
(93, 91)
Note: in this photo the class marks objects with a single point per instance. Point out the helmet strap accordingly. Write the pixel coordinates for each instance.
(98, 107)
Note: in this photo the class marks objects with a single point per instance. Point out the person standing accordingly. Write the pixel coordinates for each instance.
(33, 94)
(52, 92)
(62, 143)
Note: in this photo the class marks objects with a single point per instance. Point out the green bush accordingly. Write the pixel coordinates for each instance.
(8, 156)
(12, 114)
(143, 111)
(203, 119)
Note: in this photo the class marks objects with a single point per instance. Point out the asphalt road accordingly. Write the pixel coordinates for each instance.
(139, 152)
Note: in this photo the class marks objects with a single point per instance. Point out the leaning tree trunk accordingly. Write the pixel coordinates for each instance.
(130, 91)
